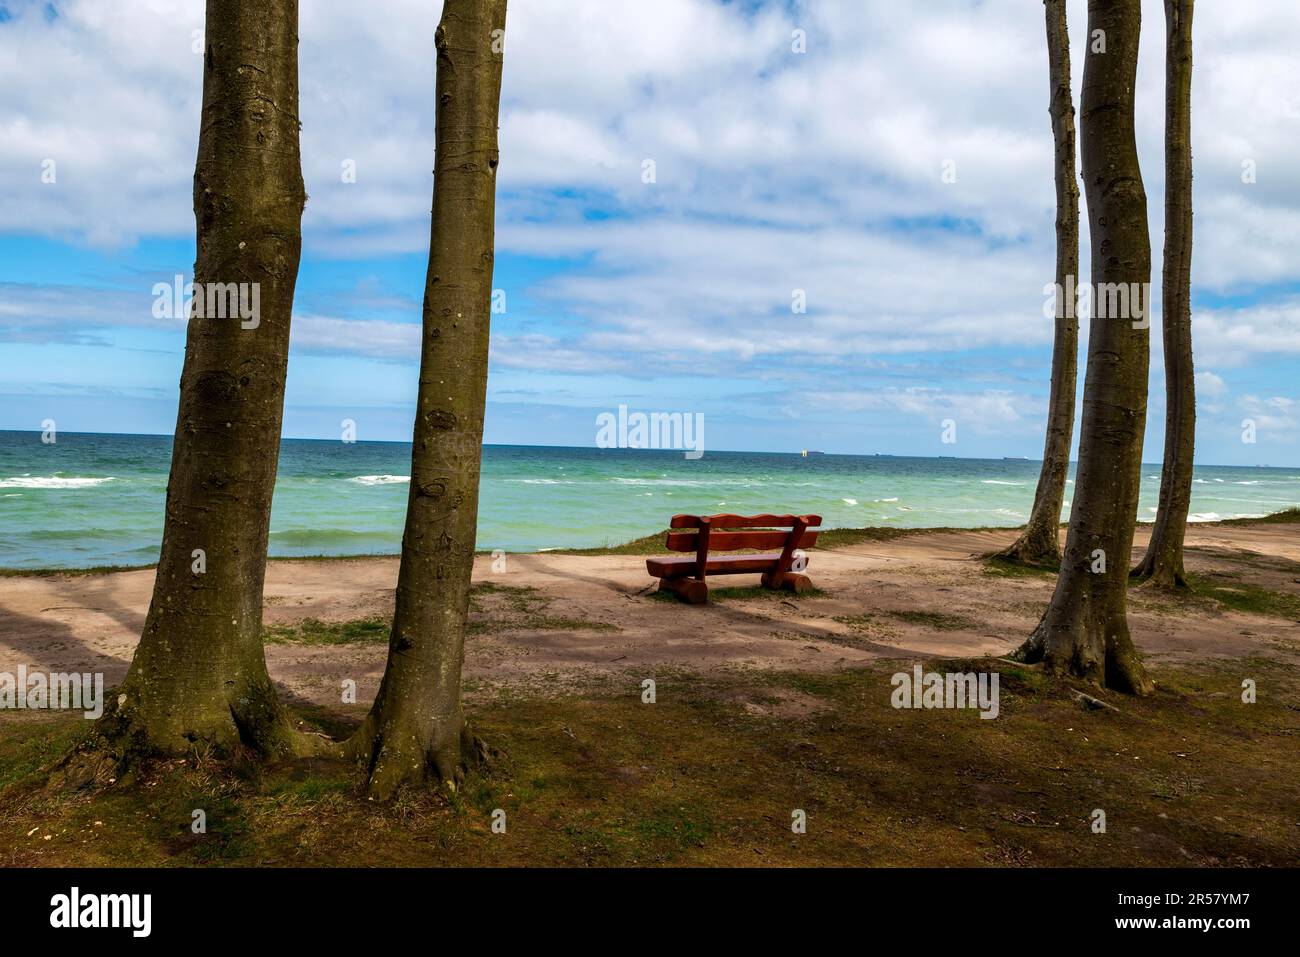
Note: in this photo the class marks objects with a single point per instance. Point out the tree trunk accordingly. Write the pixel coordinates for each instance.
(1085, 629)
(1162, 565)
(1039, 543)
(416, 730)
(199, 675)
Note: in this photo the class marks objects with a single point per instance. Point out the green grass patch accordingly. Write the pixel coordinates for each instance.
(53, 572)
(939, 621)
(1246, 598)
(498, 607)
(312, 631)
(33, 740)
(1002, 568)
(1288, 516)
(863, 621)
(645, 545)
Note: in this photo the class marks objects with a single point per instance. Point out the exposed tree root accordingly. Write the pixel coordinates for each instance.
(394, 757)
(1165, 576)
(1088, 653)
(1033, 549)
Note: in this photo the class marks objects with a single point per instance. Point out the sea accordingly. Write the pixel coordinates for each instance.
(88, 500)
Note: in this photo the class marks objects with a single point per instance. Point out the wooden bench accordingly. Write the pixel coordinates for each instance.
(705, 535)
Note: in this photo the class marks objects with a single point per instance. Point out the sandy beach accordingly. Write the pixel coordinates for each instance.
(560, 620)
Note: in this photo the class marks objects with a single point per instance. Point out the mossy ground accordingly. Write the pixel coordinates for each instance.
(492, 606)
(712, 772)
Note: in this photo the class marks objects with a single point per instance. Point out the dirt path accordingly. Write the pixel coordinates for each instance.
(557, 620)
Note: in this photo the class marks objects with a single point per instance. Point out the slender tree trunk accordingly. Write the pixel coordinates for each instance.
(1085, 629)
(1163, 563)
(199, 675)
(1039, 543)
(416, 730)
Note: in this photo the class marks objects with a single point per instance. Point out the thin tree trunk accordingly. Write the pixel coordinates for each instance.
(1039, 543)
(1162, 565)
(416, 730)
(1085, 629)
(199, 674)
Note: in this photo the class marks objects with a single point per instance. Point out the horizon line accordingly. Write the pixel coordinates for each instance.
(526, 445)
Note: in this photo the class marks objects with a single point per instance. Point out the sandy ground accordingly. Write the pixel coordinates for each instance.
(92, 622)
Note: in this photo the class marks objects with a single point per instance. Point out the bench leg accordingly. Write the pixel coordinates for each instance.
(791, 581)
(690, 590)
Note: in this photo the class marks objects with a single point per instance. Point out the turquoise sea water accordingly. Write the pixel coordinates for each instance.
(98, 499)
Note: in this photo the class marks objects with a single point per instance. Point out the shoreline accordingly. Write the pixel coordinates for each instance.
(828, 539)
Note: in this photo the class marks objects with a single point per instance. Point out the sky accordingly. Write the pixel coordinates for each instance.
(888, 164)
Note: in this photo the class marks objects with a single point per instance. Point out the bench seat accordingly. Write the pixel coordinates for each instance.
(677, 566)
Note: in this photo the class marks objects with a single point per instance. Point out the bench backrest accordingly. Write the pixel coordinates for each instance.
(760, 532)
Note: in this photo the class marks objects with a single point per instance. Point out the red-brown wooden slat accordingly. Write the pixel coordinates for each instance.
(744, 521)
(732, 541)
(684, 566)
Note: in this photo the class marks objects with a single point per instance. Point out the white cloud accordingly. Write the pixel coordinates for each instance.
(1276, 418)
(1210, 386)
(1233, 336)
(776, 170)
(987, 412)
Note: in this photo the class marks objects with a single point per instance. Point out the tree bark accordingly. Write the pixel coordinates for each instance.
(415, 731)
(1039, 543)
(1162, 565)
(199, 675)
(1085, 632)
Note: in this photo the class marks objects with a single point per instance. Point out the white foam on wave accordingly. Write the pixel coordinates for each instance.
(380, 479)
(894, 499)
(1000, 482)
(849, 501)
(51, 481)
(691, 483)
(1205, 517)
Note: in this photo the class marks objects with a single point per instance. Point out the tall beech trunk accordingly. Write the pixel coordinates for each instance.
(1163, 563)
(1085, 629)
(416, 731)
(1039, 543)
(199, 675)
